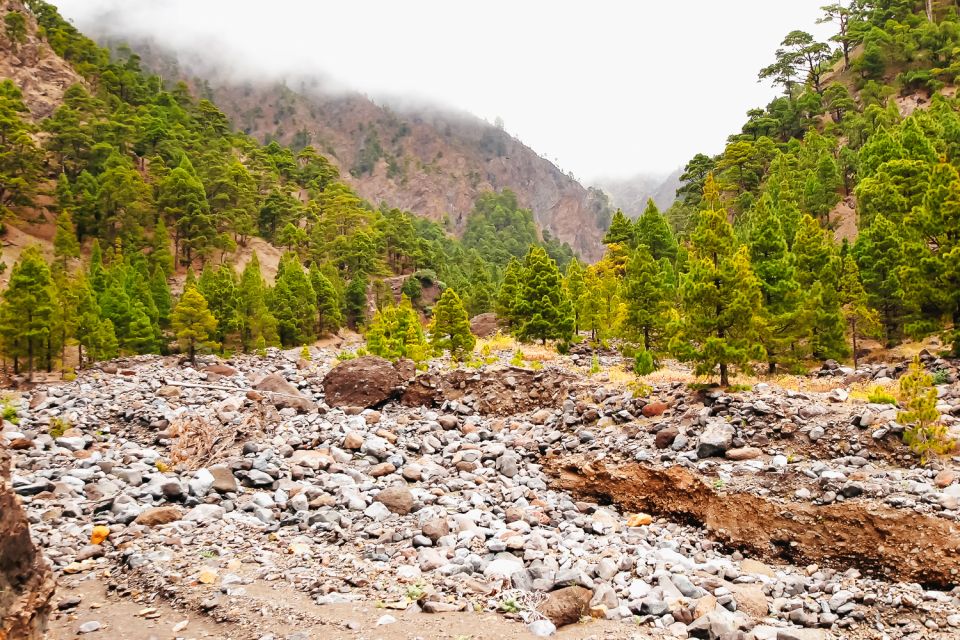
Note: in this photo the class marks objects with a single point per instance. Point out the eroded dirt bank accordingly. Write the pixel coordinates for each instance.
(874, 539)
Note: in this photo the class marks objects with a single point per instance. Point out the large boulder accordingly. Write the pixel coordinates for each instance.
(484, 325)
(566, 606)
(283, 394)
(26, 582)
(368, 382)
(716, 439)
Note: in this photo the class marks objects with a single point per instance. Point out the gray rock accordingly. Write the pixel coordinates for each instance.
(715, 439)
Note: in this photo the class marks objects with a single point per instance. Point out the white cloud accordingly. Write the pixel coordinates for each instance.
(607, 88)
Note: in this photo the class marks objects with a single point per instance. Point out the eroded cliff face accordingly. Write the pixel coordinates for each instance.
(41, 74)
(429, 161)
(26, 582)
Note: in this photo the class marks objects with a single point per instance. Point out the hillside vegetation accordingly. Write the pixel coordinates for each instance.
(148, 183)
(421, 158)
(742, 270)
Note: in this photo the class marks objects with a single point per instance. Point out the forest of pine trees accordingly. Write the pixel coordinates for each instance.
(154, 193)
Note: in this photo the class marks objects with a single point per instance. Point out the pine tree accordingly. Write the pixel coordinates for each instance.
(786, 327)
(621, 231)
(506, 302)
(65, 244)
(219, 288)
(106, 346)
(924, 432)
(575, 286)
(355, 300)
(861, 319)
(293, 302)
(115, 305)
(395, 332)
(141, 338)
(160, 292)
(328, 302)
(648, 299)
(181, 197)
(98, 278)
(257, 323)
(878, 255)
(543, 308)
(450, 328)
(87, 321)
(818, 272)
(28, 310)
(193, 323)
(721, 300)
(653, 230)
(161, 255)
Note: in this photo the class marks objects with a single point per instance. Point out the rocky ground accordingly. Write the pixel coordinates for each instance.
(269, 498)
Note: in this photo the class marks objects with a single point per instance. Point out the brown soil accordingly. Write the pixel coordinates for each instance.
(123, 616)
(875, 539)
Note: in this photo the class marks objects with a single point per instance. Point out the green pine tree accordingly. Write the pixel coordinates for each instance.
(450, 327)
(878, 252)
(654, 231)
(506, 302)
(355, 300)
(329, 318)
(861, 319)
(193, 323)
(141, 337)
(257, 324)
(721, 300)
(160, 255)
(787, 329)
(649, 299)
(65, 244)
(293, 302)
(621, 231)
(574, 283)
(543, 308)
(28, 310)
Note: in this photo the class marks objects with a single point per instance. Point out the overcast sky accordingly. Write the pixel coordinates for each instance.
(603, 88)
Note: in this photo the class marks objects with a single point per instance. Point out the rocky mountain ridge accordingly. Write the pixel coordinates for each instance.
(425, 159)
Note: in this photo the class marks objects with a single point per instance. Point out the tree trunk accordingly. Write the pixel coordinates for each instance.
(79, 355)
(646, 338)
(724, 375)
(853, 336)
(771, 367)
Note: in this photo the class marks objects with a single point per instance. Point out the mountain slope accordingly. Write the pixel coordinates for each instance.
(421, 158)
(631, 194)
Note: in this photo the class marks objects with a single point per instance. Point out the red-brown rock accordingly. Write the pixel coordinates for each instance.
(654, 409)
(484, 325)
(26, 582)
(566, 606)
(665, 437)
(368, 382)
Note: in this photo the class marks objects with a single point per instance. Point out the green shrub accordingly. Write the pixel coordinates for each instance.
(595, 365)
(924, 432)
(879, 395)
(58, 427)
(941, 377)
(9, 413)
(643, 363)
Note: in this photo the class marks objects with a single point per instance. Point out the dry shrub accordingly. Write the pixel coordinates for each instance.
(198, 443)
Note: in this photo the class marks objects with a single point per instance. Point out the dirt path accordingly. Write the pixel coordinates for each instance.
(125, 617)
(873, 538)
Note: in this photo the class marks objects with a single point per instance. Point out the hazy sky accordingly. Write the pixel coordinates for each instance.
(603, 88)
